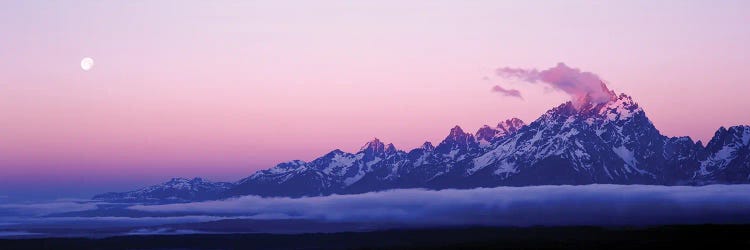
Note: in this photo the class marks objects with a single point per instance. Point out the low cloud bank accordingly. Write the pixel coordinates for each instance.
(162, 231)
(516, 206)
(44, 208)
(16, 233)
(45, 223)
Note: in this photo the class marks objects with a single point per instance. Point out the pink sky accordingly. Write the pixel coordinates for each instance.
(221, 89)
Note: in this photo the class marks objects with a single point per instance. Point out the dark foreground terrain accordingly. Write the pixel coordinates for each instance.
(666, 237)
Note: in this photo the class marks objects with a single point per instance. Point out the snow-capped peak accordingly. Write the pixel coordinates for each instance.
(510, 126)
(178, 180)
(374, 146)
(457, 143)
(594, 98)
(175, 190)
(486, 133)
(390, 149)
(457, 134)
(184, 181)
(738, 135)
(728, 147)
(618, 108)
(427, 146)
(621, 108)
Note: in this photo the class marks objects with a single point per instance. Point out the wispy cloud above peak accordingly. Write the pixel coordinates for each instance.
(507, 92)
(582, 86)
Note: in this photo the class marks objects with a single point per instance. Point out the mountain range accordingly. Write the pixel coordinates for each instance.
(612, 142)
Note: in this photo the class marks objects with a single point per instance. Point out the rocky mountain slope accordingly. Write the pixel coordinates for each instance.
(174, 190)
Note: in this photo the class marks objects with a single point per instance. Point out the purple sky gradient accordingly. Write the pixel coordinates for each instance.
(221, 89)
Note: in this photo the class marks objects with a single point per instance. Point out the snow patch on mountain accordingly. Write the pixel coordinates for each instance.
(626, 155)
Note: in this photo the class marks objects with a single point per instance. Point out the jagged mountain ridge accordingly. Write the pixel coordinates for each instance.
(728, 157)
(375, 167)
(610, 142)
(174, 190)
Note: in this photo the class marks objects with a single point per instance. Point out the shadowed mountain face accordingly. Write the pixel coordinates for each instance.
(611, 142)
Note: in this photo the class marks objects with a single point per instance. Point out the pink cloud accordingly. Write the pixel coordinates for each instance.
(507, 92)
(583, 87)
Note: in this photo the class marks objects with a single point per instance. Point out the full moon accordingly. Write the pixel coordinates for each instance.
(87, 63)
